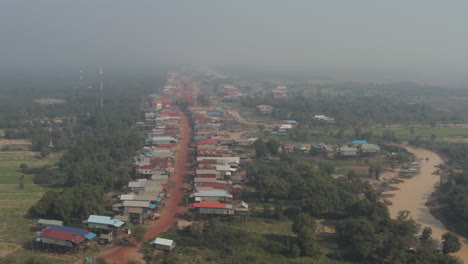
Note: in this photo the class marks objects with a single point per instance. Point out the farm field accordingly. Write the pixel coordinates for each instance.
(15, 229)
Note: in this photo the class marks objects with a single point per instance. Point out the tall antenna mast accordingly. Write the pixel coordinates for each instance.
(102, 100)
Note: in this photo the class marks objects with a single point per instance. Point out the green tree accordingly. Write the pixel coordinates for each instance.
(138, 232)
(261, 150)
(308, 242)
(302, 221)
(21, 182)
(426, 234)
(451, 243)
(23, 167)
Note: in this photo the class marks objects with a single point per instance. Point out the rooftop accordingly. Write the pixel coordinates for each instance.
(106, 220)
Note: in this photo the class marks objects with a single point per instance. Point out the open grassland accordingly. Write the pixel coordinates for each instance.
(27, 256)
(15, 202)
(259, 225)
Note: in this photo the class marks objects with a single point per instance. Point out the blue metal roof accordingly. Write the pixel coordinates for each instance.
(76, 231)
(90, 236)
(106, 220)
(358, 142)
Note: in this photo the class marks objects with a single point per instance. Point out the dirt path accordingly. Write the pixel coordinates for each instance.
(124, 254)
(413, 195)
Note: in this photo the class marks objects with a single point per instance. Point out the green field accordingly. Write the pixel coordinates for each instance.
(15, 202)
(259, 225)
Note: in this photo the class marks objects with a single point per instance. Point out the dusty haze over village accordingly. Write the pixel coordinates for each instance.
(204, 131)
(422, 41)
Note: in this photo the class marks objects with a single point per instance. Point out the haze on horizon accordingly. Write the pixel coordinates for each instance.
(358, 40)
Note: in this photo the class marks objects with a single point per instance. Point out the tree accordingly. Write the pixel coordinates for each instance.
(308, 243)
(101, 261)
(273, 147)
(451, 243)
(302, 221)
(351, 176)
(377, 172)
(138, 232)
(23, 167)
(426, 234)
(21, 182)
(261, 150)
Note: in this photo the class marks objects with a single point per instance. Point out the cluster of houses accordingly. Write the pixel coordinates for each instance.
(280, 91)
(354, 148)
(145, 195)
(215, 189)
(281, 127)
(54, 236)
(357, 148)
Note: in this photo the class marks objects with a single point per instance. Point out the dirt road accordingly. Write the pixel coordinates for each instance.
(124, 254)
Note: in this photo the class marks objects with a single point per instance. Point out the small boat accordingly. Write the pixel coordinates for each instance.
(388, 202)
(387, 195)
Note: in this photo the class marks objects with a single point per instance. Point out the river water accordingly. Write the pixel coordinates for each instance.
(413, 195)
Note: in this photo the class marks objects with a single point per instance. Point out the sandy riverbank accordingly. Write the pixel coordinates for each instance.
(414, 193)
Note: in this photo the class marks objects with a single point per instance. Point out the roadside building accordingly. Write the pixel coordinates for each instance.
(45, 223)
(348, 152)
(163, 244)
(212, 208)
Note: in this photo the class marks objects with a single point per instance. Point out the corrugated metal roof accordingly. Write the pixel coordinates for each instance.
(62, 235)
(50, 222)
(207, 204)
(358, 142)
(77, 231)
(106, 220)
(211, 193)
(125, 197)
(163, 242)
(143, 204)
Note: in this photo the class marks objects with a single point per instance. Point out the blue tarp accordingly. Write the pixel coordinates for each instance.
(358, 142)
(152, 206)
(159, 199)
(90, 236)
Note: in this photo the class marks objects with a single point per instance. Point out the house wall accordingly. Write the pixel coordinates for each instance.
(53, 241)
(218, 211)
(99, 226)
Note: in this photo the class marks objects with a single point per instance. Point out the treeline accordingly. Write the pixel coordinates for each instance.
(229, 244)
(97, 161)
(454, 191)
(351, 110)
(365, 231)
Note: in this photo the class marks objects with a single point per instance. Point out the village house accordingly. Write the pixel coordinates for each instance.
(284, 125)
(369, 148)
(63, 238)
(212, 208)
(211, 195)
(163, 244)
(265, 109)
(348, 152)
(106, 227)
(45, 223)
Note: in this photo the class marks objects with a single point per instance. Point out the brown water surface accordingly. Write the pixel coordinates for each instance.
(413, 195)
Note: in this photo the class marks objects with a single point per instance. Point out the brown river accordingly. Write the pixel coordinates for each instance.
(413, 195)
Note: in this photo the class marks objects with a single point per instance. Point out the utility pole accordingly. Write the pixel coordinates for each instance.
(100, 77)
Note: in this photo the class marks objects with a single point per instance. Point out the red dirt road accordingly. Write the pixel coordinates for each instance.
(126, 253)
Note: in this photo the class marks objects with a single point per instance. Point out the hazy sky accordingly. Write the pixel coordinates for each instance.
(389, 38)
